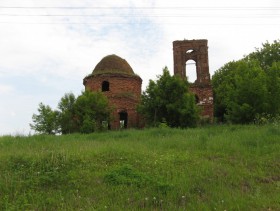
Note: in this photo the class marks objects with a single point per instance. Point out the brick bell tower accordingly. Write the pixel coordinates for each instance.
(196, 50)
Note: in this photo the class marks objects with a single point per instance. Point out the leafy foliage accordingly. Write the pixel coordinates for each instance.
(168, 100)
(91, 109)
(245, 89)
(84, 114)
(46, 121)
(267, 55)
(66, 107)
(273, 87)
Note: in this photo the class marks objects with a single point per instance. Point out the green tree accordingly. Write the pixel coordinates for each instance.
(85, 114)
(240, 91)
(168, 100)
(46, 121)
(223, 86)
(250, 95)
(249, 87)
(91, 109)
(267, 55)
(66, 119)
(273, 87)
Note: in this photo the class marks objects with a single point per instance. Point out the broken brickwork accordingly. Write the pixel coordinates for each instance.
(115, 78)
(196, 50)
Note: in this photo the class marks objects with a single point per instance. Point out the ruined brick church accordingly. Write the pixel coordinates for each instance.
(196, 50)
(115, 78)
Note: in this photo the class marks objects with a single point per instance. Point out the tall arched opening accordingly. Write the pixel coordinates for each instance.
(123, 119)
(191, 71)
(191, 61)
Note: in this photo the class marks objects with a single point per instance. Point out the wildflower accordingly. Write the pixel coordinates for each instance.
(146, 198)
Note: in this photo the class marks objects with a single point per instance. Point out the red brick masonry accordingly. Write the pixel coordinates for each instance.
(196, 50)
(124, 95)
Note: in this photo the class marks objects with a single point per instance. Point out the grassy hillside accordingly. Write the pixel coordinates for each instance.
(215, 168)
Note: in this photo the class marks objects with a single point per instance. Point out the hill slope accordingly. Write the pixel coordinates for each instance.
(221, 167)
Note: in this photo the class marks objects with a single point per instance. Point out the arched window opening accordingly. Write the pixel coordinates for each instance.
(123, 119)
(189, 51)
(191, 71)
(105, 86)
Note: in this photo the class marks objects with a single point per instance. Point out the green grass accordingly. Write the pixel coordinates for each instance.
(211, 168)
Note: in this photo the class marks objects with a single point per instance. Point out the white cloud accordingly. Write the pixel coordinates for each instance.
(13, 114)
(5, 89)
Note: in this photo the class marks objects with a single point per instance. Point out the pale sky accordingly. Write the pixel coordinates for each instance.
(47, 47)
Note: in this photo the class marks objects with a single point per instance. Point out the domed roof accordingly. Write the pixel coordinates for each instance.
(113, 64)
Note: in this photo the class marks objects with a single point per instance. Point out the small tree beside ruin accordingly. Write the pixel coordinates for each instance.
(83, 114)
(168, 100)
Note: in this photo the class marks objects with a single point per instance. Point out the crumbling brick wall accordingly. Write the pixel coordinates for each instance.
(124, 95)
(196, 50)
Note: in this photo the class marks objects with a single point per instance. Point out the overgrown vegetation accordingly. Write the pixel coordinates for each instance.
(168, 100)
(211, 168)
(249, 88)
(245, 91)
(84, 114)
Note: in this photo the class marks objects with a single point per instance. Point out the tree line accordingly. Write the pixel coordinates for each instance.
(249, 89)
(87, 113)
(244, 91)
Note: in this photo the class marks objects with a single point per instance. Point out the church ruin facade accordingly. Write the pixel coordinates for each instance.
(115, 78)
(197, 51)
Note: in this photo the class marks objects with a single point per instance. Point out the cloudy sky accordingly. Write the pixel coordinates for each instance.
(47, 47)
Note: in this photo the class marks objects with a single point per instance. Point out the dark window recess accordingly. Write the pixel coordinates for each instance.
(123, 119)
(196, 99)
(105, 86)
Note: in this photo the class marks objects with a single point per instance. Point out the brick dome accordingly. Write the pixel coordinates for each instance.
(114, 77)
(113, 64)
